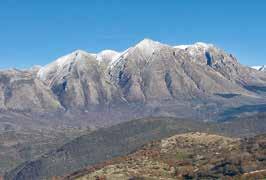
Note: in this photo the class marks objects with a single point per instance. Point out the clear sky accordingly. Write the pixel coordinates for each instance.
(37, 32)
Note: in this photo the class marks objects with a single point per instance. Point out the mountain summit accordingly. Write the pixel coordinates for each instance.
(150, 75)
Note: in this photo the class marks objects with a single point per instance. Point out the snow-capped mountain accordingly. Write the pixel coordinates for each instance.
(151, 74)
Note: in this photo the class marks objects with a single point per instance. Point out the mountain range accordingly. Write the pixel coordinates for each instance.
(149, 78)
(56, 114)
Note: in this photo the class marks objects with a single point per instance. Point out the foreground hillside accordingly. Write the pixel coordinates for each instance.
(186, 156)
(122, 139)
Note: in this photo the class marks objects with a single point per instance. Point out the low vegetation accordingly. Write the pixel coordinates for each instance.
(120, 140)
(186, 156)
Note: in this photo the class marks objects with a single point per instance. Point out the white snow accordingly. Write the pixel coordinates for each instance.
(64, 62)
(202, 44)
(118, 58)
(182, 47)
(196, 45)
(147, 47)
(61, 62)
(194, 49)
(148, 43)
(108, 55)
(259, 68)
(256, 67)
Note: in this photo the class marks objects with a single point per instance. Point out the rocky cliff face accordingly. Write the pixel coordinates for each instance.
(150, 74)
(153, 71)
(78, 80)
(23, 91)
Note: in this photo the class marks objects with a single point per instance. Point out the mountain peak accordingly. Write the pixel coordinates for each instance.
(202, 44)
(148, 43)
(62, 62)
(79, 51)
(108, 55)
(148, 46)
(195, 45)
(148, 40)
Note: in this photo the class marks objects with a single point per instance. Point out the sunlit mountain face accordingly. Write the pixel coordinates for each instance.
(53, 114)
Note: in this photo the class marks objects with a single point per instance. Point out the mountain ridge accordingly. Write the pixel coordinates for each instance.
(147, 74)
(115, 55)
(84, 90)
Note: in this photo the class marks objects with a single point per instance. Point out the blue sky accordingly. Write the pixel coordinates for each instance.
(37, 32)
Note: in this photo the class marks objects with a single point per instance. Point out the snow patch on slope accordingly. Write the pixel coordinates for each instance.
(195, 49)
(62, 63)
(196, 45)
(182, 47)
(65, 62)
(259, 68)
(107, 55)
(146, 47)
(118, 58)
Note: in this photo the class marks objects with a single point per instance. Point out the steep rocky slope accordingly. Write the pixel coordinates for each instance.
(186, 156)
(149, 78)
(79, 81)
(148, 73)
(22, 91)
